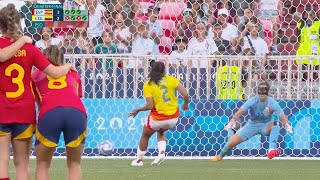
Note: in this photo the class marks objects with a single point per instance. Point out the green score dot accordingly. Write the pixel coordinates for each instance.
(84, 18)
(73, 11)
(73, 18)
(67, 12)
(78, 11)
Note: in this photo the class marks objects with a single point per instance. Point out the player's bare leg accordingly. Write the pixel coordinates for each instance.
(74, 162)
(21, 152)
(44, 156)
(146, 134)
(4, 156)
(162, 143)
(235, 140)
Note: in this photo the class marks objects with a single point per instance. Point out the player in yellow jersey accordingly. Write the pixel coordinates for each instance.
(161, 99)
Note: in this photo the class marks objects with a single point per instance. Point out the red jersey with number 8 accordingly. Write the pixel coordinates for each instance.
(64, 92)
(17, 103)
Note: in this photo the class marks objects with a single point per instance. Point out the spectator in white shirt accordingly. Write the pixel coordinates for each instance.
(257, 46)
(123, 36)
(47, 38)
(179, 57)
(97, 19)
(141, 45)
(268, 10)
(155, 28)
(229, 31)
(201, 45)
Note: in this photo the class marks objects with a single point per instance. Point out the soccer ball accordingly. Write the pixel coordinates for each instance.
(105, 148)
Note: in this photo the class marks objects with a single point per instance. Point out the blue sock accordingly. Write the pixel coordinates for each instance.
(225, 150)
(273, 138)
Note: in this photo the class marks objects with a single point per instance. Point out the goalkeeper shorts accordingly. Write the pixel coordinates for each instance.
(161, 125)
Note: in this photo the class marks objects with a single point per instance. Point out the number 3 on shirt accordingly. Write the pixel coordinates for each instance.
(165, 92)
(16, 80)
(59, 83)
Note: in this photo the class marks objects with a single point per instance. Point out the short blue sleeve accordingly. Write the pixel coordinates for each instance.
(277, 109)
(249, 103)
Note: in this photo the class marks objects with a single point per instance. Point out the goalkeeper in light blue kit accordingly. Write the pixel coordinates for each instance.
(261, 109)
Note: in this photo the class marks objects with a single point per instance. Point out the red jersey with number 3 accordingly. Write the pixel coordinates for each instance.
(17, 103)
(65, 91)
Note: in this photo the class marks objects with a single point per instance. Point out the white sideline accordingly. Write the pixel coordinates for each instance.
(189, 158)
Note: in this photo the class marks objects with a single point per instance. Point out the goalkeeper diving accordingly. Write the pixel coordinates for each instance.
(261, 109)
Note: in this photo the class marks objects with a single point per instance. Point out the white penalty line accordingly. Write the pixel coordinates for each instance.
(189, 158)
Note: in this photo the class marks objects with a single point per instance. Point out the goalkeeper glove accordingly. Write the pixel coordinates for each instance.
(288, 128)
(232, 124)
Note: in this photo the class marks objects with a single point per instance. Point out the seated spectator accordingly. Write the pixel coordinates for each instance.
(228, 5)
(123, 36)
(309, 38)
(197, 11)
(248, 16)
(142, 45)
(257, 46)
(268, 10)
(186, 27)
(201, 45)
(83, 40)
(107, 47)
(155, 28)
(179, 57)
(224, 46)
(229, 31)
(70, 45)
(47, 38)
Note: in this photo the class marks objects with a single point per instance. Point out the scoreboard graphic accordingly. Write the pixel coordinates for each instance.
(53, 15)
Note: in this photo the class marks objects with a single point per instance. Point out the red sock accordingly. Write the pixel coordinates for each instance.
(4, 178)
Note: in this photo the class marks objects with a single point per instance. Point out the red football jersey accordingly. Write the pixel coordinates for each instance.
(65, 91)
(17, 103)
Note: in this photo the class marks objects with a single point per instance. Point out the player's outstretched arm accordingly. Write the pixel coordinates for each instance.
(234, 122)
(283, 118)
(183, 91)
(58, 71)
(9, 51)
(148, 106)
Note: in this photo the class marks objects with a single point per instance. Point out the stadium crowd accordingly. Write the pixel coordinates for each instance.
(176, 27)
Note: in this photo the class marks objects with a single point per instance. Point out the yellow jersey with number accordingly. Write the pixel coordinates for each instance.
(164, 98)
(227, 83)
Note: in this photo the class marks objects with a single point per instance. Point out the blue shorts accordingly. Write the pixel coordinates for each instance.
(17, 130)
(72, 122)
(252, 128)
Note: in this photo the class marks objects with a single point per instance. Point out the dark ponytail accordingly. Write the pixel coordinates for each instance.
(157, 72)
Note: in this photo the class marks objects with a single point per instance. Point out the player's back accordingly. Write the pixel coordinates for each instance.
(15, 87)
(164, 97)
(65, 91)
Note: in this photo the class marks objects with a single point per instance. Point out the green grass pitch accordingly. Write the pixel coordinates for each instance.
(120, 169)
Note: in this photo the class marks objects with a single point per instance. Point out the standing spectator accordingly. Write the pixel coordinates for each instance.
(180, 56)
(25, 13)
(201, 45)
(197, 11)
(232, 18)
(309, 34)
(107, 47)
(268, 10)
(141, 45)
(47, 38)
(186, 27)
(155, 28)
(83, 41)
(97, 15)
(229, 31)
(258, 47)
(123, 36)
(70, 46)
